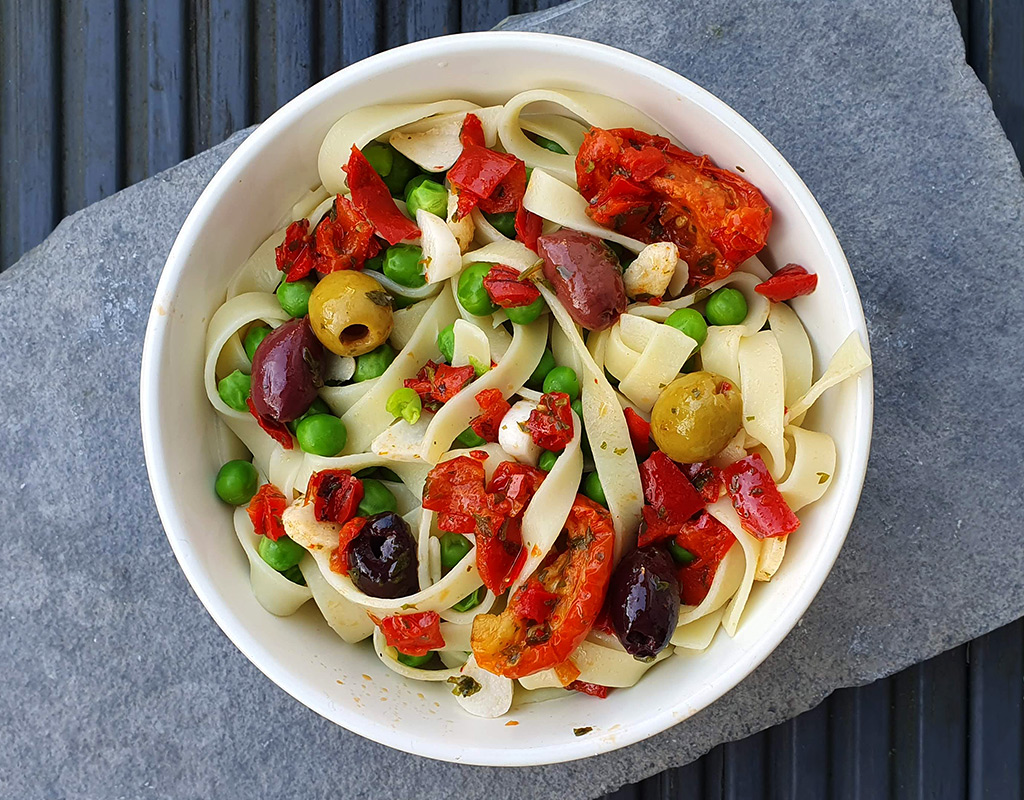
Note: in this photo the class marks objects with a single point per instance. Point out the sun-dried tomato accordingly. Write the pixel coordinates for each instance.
(507, 195)
(335, 494)
(534, 603)
(412, 634)
(760, 505)
(277, 431)
(529, 227)
(789, 282)
(472, 131)
(265, 510)
(667, 490)
(477, 173)
(349, 531)
(639, 433)
(550, 423)
(453, 489)
(493, 408)
(436, 384)
(593, 689)
(344, 238)
(371, 196)
(508, 289)
(295, 256)
(512, 486)
(706, 479)
(645, 187)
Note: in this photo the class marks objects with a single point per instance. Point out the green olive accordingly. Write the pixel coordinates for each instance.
(695, 416)
(350, 313)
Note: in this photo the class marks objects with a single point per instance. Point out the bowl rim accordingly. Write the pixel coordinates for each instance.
(162, 487)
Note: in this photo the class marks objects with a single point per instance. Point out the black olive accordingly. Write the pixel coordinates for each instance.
(382, 557)
(643, 601)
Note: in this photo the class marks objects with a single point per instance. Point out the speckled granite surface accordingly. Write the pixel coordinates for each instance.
(118, 684)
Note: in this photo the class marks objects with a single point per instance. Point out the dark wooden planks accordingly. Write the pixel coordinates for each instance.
(222, 71)
(859, 747)
(995, 37)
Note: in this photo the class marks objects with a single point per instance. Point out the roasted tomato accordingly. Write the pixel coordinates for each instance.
(265, 510)
(550, 423)
(335, 494)
(493, 408)
(508, 645)
(645, 187)
(412, 634)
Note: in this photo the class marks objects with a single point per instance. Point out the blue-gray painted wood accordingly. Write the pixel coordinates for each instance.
(96, 95)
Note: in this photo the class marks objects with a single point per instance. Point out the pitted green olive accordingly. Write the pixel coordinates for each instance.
(695, 416)
(350, 313)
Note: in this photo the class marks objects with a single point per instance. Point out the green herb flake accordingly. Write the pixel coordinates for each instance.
(604, 445)
(578, 731)
(407, 606)
(823, 477)
(750, 419)
(379, 298)
(620, 450)
(464, 686)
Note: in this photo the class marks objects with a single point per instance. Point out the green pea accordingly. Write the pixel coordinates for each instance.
(237, 482)
(405, 403)
(680, 554)
(562, 379)
(376, 263)
(505, 223)
(577, 406)
(318, 407)
(540, 372)
(727, 306)
(380, 473)
(472, 295)
(692, 364)
(253, 337)
(547, 144)
(234, 390)
(414, 661)
(690, 322)
(398, 301)
(446, 342)
(322, 435)
(421, 192)
(373, 364)
(294, 574)
(593, 489)
(524, 315)
(454, 547)
(381, 158)
(469, 438)
(402, 265)
(402, 171)
(294, 297)
(377, 498)
(547, 460)
(282, 554)
(471, 600)
(529, 174)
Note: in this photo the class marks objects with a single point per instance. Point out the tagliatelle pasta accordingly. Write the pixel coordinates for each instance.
(470, 440)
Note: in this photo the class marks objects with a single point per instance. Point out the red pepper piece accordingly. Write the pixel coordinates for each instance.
(512, 486)
(593, 689)
(529, 227)
(344, 238)
(506, 288)
(472, 131)
(507, 195)
(294, 256)
(477, 173)
(277, 431)
(706, 479)
(336, 494)
(371, 196)
(265, 510)
(550, 423)
(708, 540)
(789, 282)
(412, 634)
(762, 510)
(667, 490)
(639, 433)
(533, 602)
(349, 531)
(493, 408)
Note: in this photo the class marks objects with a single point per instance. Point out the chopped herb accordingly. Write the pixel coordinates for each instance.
(604, 445)
(582, 731)
(407, 606)
(823, 476)
(379, 298)
(464, 686)
(620, 450)
(750, 419)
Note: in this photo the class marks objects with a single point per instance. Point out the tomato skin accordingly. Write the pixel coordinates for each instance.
(550, 423)
(277, 431)
(335, 493)
(477, 174)
(645, 187)
(593, 689)
(493, 408)
(789, 282)
(472, 131)
(372, 197)
(506, 645)
(339, 556)
(512, 487)
(295, 256)
(457, 483)
(504, 286)
(265, 510)
(412, 634)
(762, 510)
(436, 384)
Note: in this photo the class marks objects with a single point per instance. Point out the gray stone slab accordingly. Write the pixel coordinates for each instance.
(118, 684)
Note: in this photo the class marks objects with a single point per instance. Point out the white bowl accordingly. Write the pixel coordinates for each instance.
(258, 183)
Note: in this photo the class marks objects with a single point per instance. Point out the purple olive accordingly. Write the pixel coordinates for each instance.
(382, 558)
(286, 371)
(586, 277)
(643, 601)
